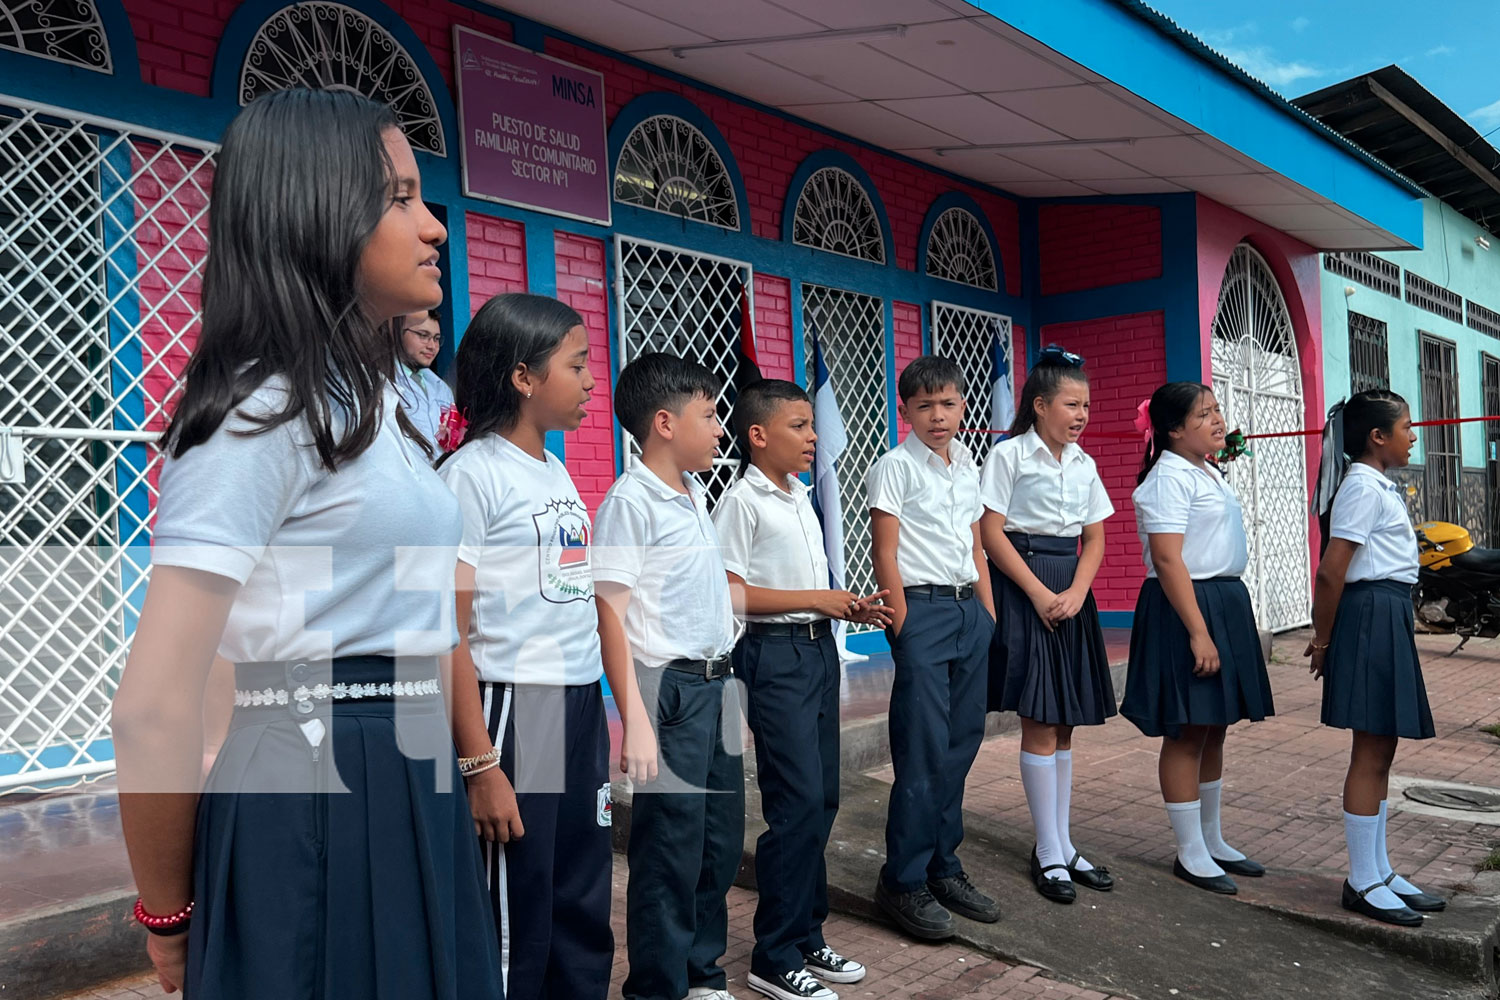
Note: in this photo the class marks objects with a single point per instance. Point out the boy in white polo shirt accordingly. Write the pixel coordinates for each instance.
(665, 606)
(778, 576)
(924, 518)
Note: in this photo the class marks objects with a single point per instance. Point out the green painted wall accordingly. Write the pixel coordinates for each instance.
(1451, 259)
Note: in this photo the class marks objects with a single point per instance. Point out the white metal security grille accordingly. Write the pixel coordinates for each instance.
(68, 31)
(851, 333)
(669, 166)
(958, 250)
(1259, 385)
(102, 228)
(687, 304)
(327, 45)
(834, 213)
(966, 336)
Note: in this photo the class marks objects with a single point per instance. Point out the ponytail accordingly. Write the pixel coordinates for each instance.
(1053, 367)
(1345, 439)
(1166, 411)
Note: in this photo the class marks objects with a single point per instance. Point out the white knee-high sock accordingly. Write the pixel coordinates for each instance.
(1211, 794)
(1064, 760)
(1039, 778)
(1188, 829)
(1362, 834)
(1383, 859)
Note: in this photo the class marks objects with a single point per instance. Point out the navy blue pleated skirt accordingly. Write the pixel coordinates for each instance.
(1372, 678)
(344, 870)
(1162, 694)
(1058, 677)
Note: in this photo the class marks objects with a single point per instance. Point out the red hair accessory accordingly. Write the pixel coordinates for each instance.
(451, 427)
(1143, 420)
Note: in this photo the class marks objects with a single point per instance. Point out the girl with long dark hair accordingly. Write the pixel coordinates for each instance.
(1364, 645)
(1196, 665)
(532, 732)
(302, 535)
(1043, 529)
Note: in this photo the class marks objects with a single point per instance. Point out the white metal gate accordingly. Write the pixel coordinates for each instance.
(687, 304)
(851, 333)
(967, 336)
(1259, 385)
(102, 232)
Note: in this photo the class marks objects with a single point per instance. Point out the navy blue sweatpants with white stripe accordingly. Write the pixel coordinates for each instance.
(551, 888)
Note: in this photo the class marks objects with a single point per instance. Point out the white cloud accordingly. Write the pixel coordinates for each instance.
(1262, 64)
(1439, 50)
(1485, 117)
(1299, 24)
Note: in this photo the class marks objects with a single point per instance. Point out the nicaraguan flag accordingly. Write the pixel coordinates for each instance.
(832, 441)
(1002, 388)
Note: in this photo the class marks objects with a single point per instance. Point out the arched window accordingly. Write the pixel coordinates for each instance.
(68, 31)
(958, 250)
(834, 213)
(668, 165)
(321, 44)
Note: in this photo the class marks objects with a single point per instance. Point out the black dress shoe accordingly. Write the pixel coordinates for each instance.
(917, 912)
(1422, 902)
(1222, 884)
(1402, 916)
(1245, 867)
(1054, 889)
(1097, 877)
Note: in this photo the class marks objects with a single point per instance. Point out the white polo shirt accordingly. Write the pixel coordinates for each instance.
(357, 562)
(937, 504)
(526, 533)
(424, 397)
(1039, 495)
(1179, 498)
(770, 537)
(1370, 512)
(662, 545)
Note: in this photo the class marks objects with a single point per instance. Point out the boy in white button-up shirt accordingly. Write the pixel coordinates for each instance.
(924, 516)
(778, 572)
(664, 604)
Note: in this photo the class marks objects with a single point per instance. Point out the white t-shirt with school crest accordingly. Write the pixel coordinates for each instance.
(527, 534)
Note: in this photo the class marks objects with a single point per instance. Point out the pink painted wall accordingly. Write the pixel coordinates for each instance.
(580, 283)
(497, 257)
(1295, 265)
(1091, 245)
(773, 327)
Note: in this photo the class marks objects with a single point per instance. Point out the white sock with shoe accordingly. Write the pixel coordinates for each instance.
(1211, 794)
(1039, 778)
(1064, 765)
(1383, 860)
(1362, 834)
(1187, 827)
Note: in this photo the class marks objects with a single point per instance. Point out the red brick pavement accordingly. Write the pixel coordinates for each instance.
(898, 968)
(1283, 777)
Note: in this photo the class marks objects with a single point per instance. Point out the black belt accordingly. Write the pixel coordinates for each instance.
(957, 593)
(792, 630)
(707, 669)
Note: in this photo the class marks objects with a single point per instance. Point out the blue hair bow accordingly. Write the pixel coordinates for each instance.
(1053, 354)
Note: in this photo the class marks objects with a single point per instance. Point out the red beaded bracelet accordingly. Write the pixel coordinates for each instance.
(166, 926)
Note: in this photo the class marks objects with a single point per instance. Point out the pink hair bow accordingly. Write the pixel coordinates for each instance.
(451, 427)
(1143, 420)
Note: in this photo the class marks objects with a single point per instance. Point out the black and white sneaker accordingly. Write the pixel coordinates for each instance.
(831, 967)
(797, 984)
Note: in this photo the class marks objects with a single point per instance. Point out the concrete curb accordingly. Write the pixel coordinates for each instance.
(71, 947)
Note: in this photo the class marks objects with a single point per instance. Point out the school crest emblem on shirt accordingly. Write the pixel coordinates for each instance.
(563, 534)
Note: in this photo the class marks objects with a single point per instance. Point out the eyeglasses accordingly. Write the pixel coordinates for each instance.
(426, 338)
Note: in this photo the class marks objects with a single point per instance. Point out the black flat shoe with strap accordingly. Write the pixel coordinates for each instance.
(1354, 900)
(1054, 889)
(1097, 877)
(1422, 902)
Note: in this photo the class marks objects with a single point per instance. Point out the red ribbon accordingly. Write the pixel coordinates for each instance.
(1132, 435)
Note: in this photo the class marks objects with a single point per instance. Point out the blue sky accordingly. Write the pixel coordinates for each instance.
(1297, 46)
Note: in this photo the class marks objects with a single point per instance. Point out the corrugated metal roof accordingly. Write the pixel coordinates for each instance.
(1195, 45)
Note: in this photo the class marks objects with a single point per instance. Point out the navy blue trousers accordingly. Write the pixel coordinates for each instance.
(687, 834)
(936, 724)
(550, 890)
(792, 686)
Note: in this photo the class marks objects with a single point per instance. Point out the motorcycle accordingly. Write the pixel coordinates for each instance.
(1458, 584)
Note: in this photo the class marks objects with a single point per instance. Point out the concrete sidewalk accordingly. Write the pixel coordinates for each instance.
(899, 970)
